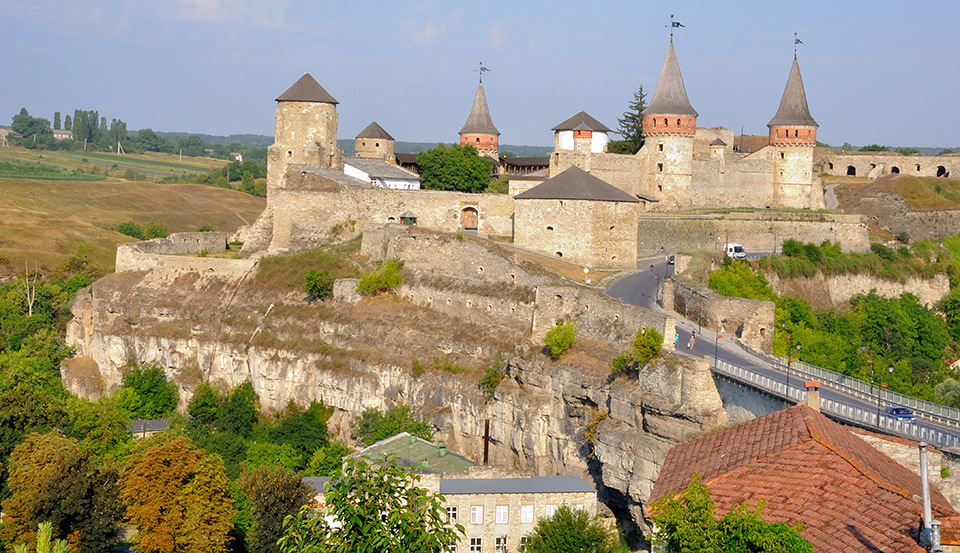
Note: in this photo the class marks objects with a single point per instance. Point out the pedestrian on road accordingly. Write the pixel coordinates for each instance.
(690, 342)
(676, 340)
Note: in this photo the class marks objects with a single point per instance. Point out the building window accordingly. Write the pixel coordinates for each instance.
(476, 514)
(452, 515)
(476, 545)
(659, 167)
(502, 511)
(523, 541)
(452, 548)
(526, 513)
(678, 122)
(500, 545)
(660, 147)
(550, 510)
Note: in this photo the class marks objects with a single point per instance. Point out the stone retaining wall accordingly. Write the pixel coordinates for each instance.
(708, 309)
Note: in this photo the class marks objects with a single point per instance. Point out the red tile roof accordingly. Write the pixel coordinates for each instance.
(809, 470)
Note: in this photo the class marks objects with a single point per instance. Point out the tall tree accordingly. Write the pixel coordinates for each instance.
(52, 480)
(454, 168)
(380, 506)
(56, 120)
(28, 125)
(67, 122)
(570, 531)
(275, 494)
(149, 394)
(630, 126)
(178, 497)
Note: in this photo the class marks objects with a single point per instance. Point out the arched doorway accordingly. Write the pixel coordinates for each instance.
(895, 169)
(469, 218)
(851, 171)
(941, 171)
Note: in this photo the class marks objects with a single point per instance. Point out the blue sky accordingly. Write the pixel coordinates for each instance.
(878, 72)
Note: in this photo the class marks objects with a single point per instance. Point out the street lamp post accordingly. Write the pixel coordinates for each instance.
(788, 368)
(655, 277)
(880, 389)
(774, 240)
(716, 340)
(699, 320)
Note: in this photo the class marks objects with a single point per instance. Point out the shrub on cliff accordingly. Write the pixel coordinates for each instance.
(560, 338)
(318, 285)
(384, 279)
(646, 345)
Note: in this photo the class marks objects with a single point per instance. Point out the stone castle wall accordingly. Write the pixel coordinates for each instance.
(878, 164)
(175, 253)
(704, 136)
(620, 170)
(835, 291)
(709, 309)
(594, 234)
(711, 231)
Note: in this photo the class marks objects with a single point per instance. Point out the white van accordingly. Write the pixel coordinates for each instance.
(735, 251)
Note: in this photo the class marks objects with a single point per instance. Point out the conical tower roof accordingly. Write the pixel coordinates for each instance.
(479, 121)
(307, 89)
(793, 106)
(374, 130)
(670, 97)
(582, 121)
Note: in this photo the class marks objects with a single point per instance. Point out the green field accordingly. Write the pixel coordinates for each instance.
(151, 165)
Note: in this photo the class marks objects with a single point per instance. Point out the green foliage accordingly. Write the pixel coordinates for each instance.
(454, 168)
(304, 430)
(205, 404)
(52, 480)
(499, 185)
(738, 279)
(29, 126)
(381, 506)
(687, 522)
(646, 345)
(945, 472)
(495, 372)
(874, 148)
(100, 428)
(45, 541)
(275, 494)
(807, 260)
(372, 425)
(907, 151)
(148, 393)
(459, 234)
(327, 460)
(274, 456)
(318, 285)
(572, 531)
(384, 279)
(596, 419)
(239, 412)
(630, 126)
(130, 229)
(560, 338)
(154, 230)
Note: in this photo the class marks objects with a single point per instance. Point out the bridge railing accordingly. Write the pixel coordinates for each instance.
(868, 418)
(929, 408)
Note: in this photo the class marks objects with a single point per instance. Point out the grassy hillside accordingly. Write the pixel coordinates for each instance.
(921, 193)
(151, 165)
(44, 221)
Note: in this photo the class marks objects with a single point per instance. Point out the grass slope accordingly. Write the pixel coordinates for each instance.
(44, 221)
(151, 164)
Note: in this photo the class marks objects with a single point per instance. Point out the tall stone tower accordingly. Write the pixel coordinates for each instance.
(374, 142)
(479, 130)
(306, 130)
(669, 125)
(793, 136)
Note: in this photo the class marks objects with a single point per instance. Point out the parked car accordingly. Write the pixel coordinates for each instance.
(899, 413)
(671, 260)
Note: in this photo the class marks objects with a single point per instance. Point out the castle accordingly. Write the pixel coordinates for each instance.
(597, 209)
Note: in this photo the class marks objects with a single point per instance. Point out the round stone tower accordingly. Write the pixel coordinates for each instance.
(479, 130)
(374, 142)
(793, 137)
(306, 130)
(669, 125)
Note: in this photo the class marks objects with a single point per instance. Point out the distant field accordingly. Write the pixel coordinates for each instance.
(43, 221)
(151, 164)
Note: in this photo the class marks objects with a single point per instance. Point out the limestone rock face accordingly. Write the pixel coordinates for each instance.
(354, 356)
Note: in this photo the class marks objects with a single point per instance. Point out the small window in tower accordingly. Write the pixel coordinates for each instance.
(665, 124)
(478, 140)
(678, 122)
(660, 147)
(377, 145)
(659, 188)
(289, 153)
(654, 122)
(918, 167)
(363, 143)
(660, 167)
(781, 155)
(549, 227)
(830, 165)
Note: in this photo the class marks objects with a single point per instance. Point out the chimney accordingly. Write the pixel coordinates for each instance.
(930, 536)
(441, 449)
(813, 394)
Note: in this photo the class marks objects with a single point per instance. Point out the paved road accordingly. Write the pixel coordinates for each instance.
(641, 288)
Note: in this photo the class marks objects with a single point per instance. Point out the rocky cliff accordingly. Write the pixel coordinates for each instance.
(225, 329)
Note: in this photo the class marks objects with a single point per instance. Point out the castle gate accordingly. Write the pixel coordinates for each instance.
(469, 219)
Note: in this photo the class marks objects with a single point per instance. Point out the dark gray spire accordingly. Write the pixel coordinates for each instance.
(374, 130)
(479, 121)
(670, 97)
(793, 106)
(307, 89)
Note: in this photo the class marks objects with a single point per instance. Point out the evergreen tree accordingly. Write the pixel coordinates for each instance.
(631, 126)
(56, 120)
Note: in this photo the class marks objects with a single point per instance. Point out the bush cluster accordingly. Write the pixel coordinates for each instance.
(384, 279)
(560, 338)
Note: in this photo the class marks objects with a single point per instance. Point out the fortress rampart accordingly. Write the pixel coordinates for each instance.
(709, 310)
(176, 251)
(878, 164)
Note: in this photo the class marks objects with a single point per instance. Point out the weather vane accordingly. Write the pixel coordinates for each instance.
(795, 42)
(673, 25)
(482, 70)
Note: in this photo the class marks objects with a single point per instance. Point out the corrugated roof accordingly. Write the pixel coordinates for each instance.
(582, 121)
(533, 484)
(307, 89)
(809, 470)
(576, 184)
(378, 168)
(670, 97)
(147, 425)
(793, 105)
(414, 451)
(479, 121)
(374, 130)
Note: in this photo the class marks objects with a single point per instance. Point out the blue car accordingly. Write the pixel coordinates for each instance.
(899, 413)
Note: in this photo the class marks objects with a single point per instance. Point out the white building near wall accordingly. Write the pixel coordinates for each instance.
(380, 173)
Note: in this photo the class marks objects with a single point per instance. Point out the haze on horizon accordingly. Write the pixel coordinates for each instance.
(879, 74)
